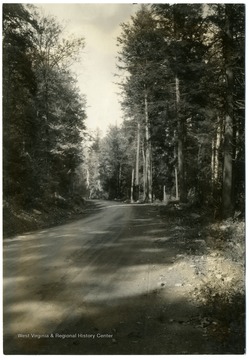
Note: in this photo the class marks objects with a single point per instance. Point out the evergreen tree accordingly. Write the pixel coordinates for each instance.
(43, 113)
(114, 164)
(138, 58)
(19, 89)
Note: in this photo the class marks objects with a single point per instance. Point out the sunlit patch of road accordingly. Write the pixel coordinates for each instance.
(98, 272)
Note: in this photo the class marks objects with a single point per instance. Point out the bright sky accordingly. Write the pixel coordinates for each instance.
(99, 24)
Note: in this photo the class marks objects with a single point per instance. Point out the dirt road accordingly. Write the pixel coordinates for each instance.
(116, 282)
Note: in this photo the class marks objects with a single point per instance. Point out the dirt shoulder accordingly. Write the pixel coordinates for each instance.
(217, 252)
(157, 279)
(17, 220)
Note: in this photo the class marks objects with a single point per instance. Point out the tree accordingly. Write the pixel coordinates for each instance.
(230, 127)
(43, 113)
(183, 83)
(138, 59)
(59, 107)
(19, 89)
(182, 28)
(229, 24)
(93, 166)
(113, 163)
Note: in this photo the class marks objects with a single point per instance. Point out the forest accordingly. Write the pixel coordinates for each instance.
(138, 232)
(43, 111)
(181, 71)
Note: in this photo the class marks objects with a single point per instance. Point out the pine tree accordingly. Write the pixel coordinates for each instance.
(19, 89)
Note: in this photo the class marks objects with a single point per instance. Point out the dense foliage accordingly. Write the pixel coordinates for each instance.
(43, 113)
(182, 76)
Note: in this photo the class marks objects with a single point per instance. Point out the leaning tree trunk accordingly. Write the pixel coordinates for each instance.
(227, 184)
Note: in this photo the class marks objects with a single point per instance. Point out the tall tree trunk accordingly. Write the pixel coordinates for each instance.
(176, 166)
(119, 180)
(180, 142)
(176, 183)
(180, 124)
(147, 152)
(137, 163)
(137, 155)
(144, 174)
(227, 188)
(132, 184)
(215, 163)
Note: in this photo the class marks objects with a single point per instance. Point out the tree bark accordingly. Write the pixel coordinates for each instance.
(215, 164)
(176, 183)
(132, 183)
(137, 155)
(148, 159)
(227, 188)
(180, 142)
(144, 174)
(137, 163)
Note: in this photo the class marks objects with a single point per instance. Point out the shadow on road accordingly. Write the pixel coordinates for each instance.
(124, 279)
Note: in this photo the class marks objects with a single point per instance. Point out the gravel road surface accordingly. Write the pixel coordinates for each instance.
(118, 281)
